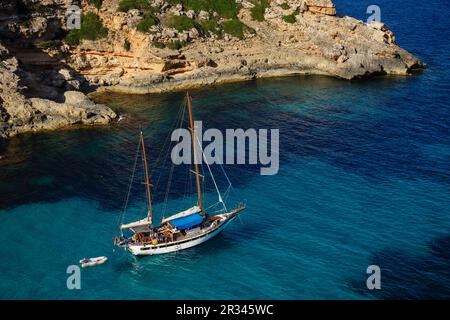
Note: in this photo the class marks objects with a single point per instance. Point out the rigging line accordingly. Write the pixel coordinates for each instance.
(223, 170)
(169, 183)
(177, 124)
(188, 183)
(186, 177)
(212, 206)
(174, 124)
(210, 172)
(226, 194)
(186, 174)
(226, 176)
(203, 181)
(122, 215)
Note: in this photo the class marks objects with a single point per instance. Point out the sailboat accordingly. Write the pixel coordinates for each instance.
(182, 230)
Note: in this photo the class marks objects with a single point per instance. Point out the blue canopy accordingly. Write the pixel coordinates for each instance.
(187, 222)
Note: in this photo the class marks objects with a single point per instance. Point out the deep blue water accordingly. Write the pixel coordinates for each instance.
(364, 179)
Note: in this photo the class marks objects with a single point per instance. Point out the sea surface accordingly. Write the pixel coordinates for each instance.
(364, 179)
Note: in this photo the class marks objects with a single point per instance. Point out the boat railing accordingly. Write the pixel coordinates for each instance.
(242, 204)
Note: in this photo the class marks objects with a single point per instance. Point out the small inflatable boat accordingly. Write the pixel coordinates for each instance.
(93, 261)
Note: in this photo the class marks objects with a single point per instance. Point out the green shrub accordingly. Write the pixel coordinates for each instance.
(182, 23)
(291, 18)
(159, 45)
(175, 2)
(257, 12)
(91, 29)
(96, 3)
(40, 8)
(236, 28)
(73, 37)
(148, 21)
(211, 26)
(175, 45)
(225, 8)
(143, 5)
(198, 5)
(127, 45)
(49, 44)
(285, 6)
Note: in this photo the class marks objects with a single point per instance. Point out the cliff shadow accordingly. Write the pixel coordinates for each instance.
(408, 276)
(33, 34)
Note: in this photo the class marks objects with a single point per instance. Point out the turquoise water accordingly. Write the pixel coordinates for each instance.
(363, 179)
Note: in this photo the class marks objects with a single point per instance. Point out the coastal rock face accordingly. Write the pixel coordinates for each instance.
(321, 6)
(158, 45)
(19, 113)
(295, 37)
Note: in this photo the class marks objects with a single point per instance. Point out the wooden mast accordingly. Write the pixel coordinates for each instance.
(192, 129)
(147, 181)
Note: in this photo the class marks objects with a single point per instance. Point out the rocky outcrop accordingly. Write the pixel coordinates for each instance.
(321, 6)
(19, 114)
(316, 42)
(166, 46)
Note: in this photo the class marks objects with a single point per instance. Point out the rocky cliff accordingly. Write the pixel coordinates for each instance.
(19, 114)
(143, 46)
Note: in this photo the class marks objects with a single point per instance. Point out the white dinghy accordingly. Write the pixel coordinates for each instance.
(93, 261)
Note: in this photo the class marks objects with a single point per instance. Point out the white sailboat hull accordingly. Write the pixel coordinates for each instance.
(139, 250)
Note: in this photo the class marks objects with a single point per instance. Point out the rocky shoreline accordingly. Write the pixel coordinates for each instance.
(158, 46)
(19, 114)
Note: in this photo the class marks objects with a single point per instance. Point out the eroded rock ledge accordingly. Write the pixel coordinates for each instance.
(141, 50)
(20, 114)
(315, 41)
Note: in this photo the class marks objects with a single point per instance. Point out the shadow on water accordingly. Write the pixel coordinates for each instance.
(317, 117)
(409, 276)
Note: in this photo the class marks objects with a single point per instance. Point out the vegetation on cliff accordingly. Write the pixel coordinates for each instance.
(182, 23)
(224, 8)
(236, 28)
(96, 3)
(259, 9)
(91, 29)
(144, 46)
(148, 21)
(291, 18)
(143, 5)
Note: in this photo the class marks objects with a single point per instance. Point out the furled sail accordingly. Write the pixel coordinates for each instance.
(194, 209)
(140, 223)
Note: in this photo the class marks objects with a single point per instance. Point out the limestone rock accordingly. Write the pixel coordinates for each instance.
(316, 42)
(38, 25)
(190, 14)
(245, 4)
(321, 6)
(176, 10)
(133, 18)
(203, 15)
(20, 114)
